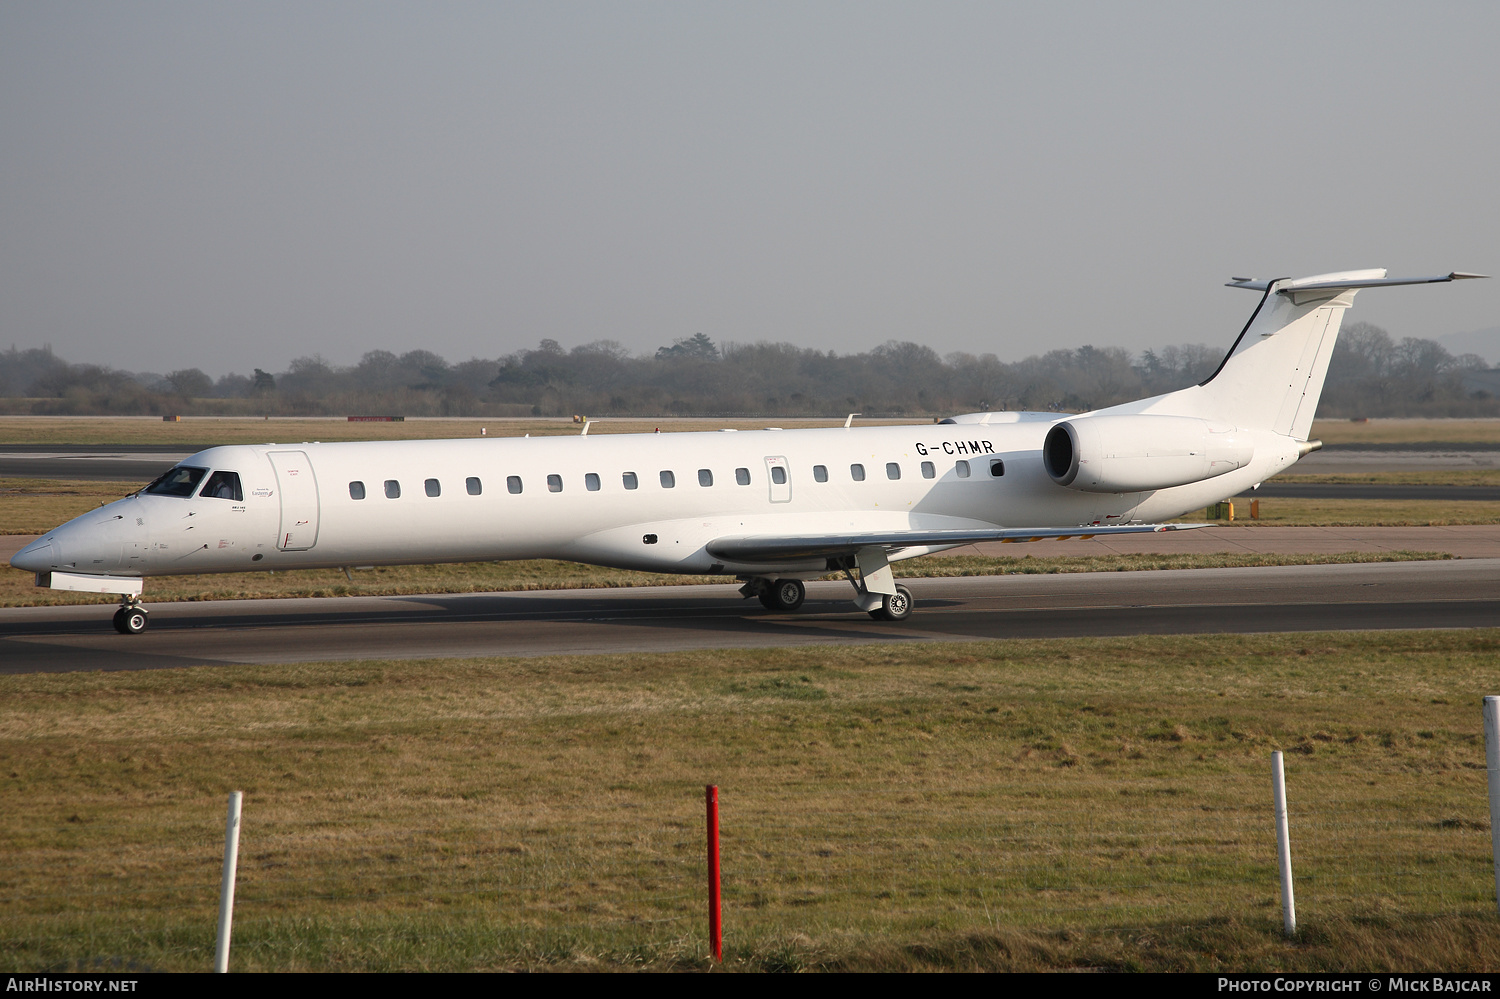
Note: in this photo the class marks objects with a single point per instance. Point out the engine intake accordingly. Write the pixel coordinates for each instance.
(1118, 454)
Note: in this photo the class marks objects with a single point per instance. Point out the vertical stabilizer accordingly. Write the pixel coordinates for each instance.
(1273, 375)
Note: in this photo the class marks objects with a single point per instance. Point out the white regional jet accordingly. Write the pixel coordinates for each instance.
(770, 507)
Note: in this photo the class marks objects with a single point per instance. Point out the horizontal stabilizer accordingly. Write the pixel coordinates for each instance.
(1331, 282)
(768, 548)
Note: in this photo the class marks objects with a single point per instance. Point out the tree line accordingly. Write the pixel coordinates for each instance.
(1371, 374)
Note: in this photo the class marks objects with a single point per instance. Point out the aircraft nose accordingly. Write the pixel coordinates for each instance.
(39, 556)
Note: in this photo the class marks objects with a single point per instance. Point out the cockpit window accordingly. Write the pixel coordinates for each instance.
(224, 485)
(179, 481)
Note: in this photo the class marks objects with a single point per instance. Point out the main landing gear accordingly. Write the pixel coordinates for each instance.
(777, 595)
(131, 618)
(788, 595)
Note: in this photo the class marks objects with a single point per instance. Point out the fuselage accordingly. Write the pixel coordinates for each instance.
(639, 501)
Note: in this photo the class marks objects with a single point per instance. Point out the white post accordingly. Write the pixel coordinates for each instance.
(1283, 846)
(1492, 764)
(226, 887)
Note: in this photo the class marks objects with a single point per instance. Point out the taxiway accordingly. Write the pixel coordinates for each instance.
(1397, 595)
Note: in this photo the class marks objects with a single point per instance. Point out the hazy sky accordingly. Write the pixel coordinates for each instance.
(232, 185)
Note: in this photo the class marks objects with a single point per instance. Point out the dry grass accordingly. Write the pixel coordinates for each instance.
(1010, 805)
(1406, 431)
(18, 589)
(1430, 477)
(34, 506)
(1301, 512)
(193, 433)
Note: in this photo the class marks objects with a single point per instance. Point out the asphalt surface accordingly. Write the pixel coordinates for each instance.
(1451, 594)
(105, 463)
(1285, 488)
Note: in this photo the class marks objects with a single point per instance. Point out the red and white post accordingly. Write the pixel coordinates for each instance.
(1492, 765)
(715, 911)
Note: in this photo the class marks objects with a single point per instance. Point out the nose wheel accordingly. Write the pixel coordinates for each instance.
(894, 606)
(131, 619)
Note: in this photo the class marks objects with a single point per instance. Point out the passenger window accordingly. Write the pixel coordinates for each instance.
(223, 485)
(591, 482)
(928, 471)
(513, 483)
(554, 483)
(179, 481)
(473, 485)
(356, 490)
(997, 467)
(630, 480)
(857, 473)
(668, 480)
(742, 476)
(820, 473)
(962, 468)
(778, 474)
(392, 489)
(705, 477)
(433, 487)
(892, 470)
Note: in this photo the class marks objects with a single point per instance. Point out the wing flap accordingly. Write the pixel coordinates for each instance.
(771, 548)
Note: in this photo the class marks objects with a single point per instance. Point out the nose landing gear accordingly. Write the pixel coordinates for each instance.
(894, 606)
(131, 618)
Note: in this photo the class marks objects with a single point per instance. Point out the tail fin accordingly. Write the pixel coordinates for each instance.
(1273, 375)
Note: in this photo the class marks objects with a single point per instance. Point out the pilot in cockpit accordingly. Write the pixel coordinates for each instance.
(223, 485)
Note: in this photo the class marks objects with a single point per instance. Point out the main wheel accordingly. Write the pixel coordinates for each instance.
(788, 594)
(894, 606)
(767, 595)
(131, 620)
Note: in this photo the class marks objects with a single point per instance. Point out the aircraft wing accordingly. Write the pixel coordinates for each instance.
(771, 548)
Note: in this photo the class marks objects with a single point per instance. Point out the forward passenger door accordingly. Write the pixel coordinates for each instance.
(299, 500)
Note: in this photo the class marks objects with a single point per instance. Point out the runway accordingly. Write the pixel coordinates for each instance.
(134, 463)
(1454, 594)
(1290, 488)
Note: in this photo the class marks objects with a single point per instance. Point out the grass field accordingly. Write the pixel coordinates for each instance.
(1427, 477)
(32, 506)
(1098, 804)
(194, 432)
(1406, 431)
(1286, 511)
(18, 589)
(200, 432)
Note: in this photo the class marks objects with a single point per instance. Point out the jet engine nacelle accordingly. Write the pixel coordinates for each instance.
(1120, 454)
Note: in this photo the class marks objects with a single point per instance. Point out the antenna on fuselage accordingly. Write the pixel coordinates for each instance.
(585, 428)
(850, 421)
